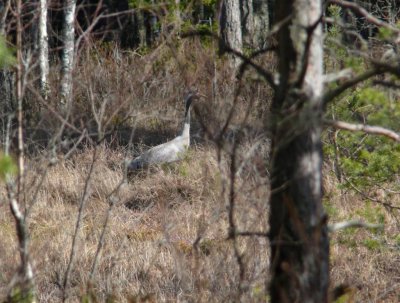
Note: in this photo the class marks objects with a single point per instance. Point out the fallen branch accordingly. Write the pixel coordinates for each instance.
(375, 130)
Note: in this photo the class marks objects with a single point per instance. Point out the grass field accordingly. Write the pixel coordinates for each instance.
(166, 238)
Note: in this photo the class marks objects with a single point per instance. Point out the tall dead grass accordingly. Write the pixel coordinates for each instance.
(168, 233)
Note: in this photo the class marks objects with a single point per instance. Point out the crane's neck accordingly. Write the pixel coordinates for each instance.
(186, 126)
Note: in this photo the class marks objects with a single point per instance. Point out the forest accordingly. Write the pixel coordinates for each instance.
(200, 151)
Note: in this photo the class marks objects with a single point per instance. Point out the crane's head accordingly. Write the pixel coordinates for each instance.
(192, 94)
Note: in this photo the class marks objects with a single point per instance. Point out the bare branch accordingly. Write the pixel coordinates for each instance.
(246, 61)
(330, 95)
(112, 200)
(252, 234)
(344, 74)
(353, 224)
(357, 9)
(378, 201)
(84, 198)
(388, 84)
(375, 130)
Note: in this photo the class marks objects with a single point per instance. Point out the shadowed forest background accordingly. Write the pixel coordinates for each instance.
(86, 86)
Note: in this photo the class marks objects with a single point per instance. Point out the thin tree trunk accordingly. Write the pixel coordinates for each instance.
(16, 193)
(231, 27)
(3, 16)
(67, 57)
(298, 230)
(43, 50)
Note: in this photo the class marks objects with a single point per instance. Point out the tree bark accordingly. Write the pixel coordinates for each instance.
(255, 22)
(67, 56)
(231, 27)
(43, 50)
(298, 229)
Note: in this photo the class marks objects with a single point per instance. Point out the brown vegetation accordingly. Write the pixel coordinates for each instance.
(168, 234)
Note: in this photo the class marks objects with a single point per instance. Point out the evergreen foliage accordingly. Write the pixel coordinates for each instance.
(365, 160)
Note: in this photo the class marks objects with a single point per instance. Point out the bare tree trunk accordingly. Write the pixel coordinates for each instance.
(43, 50)
(298, 230)
(231, 26)
(255, 22)
(67, 58)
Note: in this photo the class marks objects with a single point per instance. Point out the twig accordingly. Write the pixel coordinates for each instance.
(82, 204)
(385, 204)
(388, 84)
(346, 73)
(75, 146)
(259, 69)
(357, 9)
(247, 156)
(353, 224)
(112, 202)
(63, 120)
(387, 291)
(252, 234)
(231, 219)
(375, 130)
(330, 95)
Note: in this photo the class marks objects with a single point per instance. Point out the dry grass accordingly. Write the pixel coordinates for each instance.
(167, 234)
(150, 247)
(150, 243)
(364, 259)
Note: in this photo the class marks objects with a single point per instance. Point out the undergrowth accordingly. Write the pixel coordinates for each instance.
(166, 238)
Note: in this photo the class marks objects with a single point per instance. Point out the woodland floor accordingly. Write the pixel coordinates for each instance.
(166, 238)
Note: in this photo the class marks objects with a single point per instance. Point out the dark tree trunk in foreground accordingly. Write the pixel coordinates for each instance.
(298, 231)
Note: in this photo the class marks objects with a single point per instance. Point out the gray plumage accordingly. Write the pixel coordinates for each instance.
(170, 151)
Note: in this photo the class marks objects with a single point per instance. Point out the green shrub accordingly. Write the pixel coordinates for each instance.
(365, 159)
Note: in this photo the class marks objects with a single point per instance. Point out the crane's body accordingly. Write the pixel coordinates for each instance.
(170, 151)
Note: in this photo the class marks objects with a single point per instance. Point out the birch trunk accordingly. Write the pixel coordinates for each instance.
(67, 57)
(298, 230)
(231, 27)
(43, 50)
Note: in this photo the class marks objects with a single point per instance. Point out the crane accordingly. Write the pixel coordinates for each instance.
(170, 151)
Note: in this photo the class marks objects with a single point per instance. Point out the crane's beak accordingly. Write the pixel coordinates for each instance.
(201, 95)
